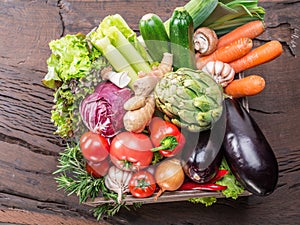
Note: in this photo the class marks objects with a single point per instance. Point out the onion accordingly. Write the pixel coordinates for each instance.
(169, 176)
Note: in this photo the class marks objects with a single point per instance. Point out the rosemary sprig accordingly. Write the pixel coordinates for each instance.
(74, 179)
(73, 176)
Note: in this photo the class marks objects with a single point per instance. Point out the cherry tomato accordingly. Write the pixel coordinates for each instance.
(142, 184)
(94, 146)
(97, 170)
(166, 137)
(131, 151)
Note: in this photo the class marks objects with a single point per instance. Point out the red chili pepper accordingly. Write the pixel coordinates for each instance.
(219, 175)
(166, 137)
(205, 187)
(210, 186)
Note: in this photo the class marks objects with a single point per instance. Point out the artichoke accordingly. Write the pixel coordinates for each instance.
(190, 99)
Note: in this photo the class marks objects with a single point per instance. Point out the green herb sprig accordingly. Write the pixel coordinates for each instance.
(74, 179)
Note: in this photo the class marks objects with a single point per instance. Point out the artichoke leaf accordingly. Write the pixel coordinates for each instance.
(190, 99)
(171, 108)
(164, 109)
(204, 118)
(203, 103)
(188, 116)
(190, 127)
(209, 117)
(183, 93)
(187, 105)
(215, 94)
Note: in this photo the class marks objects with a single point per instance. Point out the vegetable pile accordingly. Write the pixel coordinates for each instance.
(161, 112)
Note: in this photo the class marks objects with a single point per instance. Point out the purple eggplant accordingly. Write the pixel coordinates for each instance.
(202, 153)
(247, 151)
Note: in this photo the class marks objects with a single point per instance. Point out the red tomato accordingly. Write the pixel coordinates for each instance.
(97, 170)
(166, 137)
(131, 151)
(142, 184)
(94, 146)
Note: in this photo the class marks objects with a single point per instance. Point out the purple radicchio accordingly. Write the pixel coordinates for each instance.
(102, 111)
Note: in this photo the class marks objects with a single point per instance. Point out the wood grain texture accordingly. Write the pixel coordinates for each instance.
(29, 150)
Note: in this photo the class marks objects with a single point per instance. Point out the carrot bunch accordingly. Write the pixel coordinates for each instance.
(236, 49)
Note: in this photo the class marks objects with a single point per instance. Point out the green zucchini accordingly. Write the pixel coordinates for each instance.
(181, 38)
(154, 35)
(199, 10)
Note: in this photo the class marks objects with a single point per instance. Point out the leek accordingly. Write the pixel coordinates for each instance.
(114, 57)
(231, 14)
(200, 10)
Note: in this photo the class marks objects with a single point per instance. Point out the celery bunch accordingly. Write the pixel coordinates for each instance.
(119, 44)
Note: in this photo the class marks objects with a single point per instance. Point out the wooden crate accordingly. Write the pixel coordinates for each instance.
(173, 196)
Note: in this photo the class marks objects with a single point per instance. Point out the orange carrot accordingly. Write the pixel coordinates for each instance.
(228, 53)
(251, 30)
(257, 56)
(247, 86)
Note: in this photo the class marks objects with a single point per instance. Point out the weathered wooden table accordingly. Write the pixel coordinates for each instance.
(29, 150)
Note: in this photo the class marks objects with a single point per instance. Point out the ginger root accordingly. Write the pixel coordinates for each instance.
(160, 70)
(135, 102)
(141, 106)
(137, 120)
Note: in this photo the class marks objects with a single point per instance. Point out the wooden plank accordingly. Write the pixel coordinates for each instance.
(19, 217)
(29, 150)
(94, 11)
(26, 29)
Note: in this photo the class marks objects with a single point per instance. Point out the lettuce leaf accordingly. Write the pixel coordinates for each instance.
(70, 58)
(207, 201)
(234, 188)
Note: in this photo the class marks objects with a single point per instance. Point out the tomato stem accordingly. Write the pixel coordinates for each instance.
(168, 143)
(143, 184)
(126, 164)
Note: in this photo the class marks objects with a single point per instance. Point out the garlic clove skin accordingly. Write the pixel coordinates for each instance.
(209, 68)
(222, 73)
(218, 68)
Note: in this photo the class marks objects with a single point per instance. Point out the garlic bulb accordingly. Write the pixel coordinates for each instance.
(117, 181)
(223, 73)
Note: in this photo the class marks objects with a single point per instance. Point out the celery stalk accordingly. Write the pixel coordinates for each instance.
(127, 50)
(119, 22)
(115, 58)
